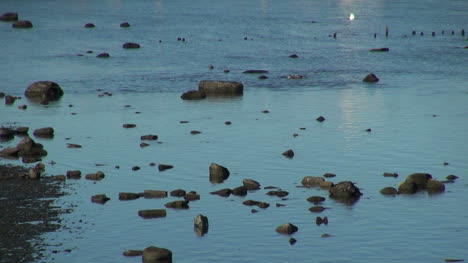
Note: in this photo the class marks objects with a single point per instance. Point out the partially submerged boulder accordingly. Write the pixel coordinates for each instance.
(251, 184)
(200, 224)
(152, 213)
(371, 78)
(389, 191)
(226, 192)
(47, 90)
(218, 173)
(383, 49)
(289, 153)
(193, 95)
(129, 45)
(10, 16)
(287, 229)
(345, 191)
(100, 199)
(46, 132)
(23, 24)
(311, 181)
(156, 255)
(221, 88)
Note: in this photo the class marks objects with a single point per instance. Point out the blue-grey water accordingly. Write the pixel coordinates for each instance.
(418, 113)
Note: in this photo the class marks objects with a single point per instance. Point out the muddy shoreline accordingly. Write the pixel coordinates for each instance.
(27, 211)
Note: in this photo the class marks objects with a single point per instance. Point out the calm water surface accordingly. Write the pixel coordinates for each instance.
(420, 77)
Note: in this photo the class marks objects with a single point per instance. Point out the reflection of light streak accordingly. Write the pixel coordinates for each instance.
(351, 17)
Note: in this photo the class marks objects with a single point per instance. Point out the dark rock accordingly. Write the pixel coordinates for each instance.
(320, 119)
(278, 193)
(383, 49)
(22, 107)
(453, 260)
(326, 185)
(95, 176)
(47, 132)
(144, 144)
(287, 229)
(262, 77)
(317, 209)
(36, 171)
(155, 194)
(226, 192)
(74, 174)
(135, 168)
(265, 111)
(289, 153)
(195, 132)
(316, 199)
(200, 224)
(218, 173)
(100, 198)
(389, 191)
(132, 253)
(23, 24)
(419, 179)
(329, 175)
(44, 90)
(9, 152)
(240, 191)
(294, 56)
(10, 16)
(279, 205)
(128, 196)
(129, 125)
(21, 130)
(6, 133)
(2, 95)
(326, 235)
(179, 204)
(434, 186)
(255, 71)
(191, 196)
(407, 188)
(320, 220)
(103, 55)
(28, 148)
(371, 78)
(183, 121)
(129, 45)
(9, 100)
(164, 167)
(193, 95)
(345, 191)
(253, 211)
(452, 177)
(149, 137)
(178, 193)
(228, 123)
(125, 24)
(59, 177)
(74, 146)
(157, 255)
(310, 181)
(89, 25)
(221, 88)
(390, 175)
(152, 213)
(251, 184)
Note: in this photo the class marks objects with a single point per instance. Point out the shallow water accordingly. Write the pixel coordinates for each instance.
(420, 77)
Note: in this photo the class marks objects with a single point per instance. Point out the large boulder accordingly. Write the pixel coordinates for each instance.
(10, 16)
(345, 191)
(221, 88)
(156, 255)
(44, 90)
(218, 173)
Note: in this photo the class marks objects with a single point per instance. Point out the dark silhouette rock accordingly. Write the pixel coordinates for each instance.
(311, 181)
(98, 176)
(395, 175)
(74, 174)
(293, 56)
(152, 213)
(125, 24)
(129, 125)
(156, 255)
(255, 71)
(10, 16)
(100, 198)
(44, 90)
(73, 146)
(149, 137)
(319, 220)
(193, 95)
(256, 203)
(239, 191)
(289, 153)
(419, 179)
(179, 204)
(47, 132)
(130, 45)
(320, 119)
(28, 148)
(89, 25)
(128, 196)
(191, 196)
(164, 167)
(287, 229)
(345, 191)
(452, 177)
(9, 100)
(23, 24)
(155, 194)
(103, 55)
(22, 107)
(132, 253)
(195, 132)
(251, 184)
(218, 173)
(371, 78)
(317, 209)
(316, 199)
(389, 191)
(200, 224)
(178, 193)
(383, 49)
(262, 77)
(278, 193)
(329, 175)
(221, 88)
(226, 192)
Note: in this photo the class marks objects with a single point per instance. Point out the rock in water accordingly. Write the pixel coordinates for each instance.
(156, 255)
(10, 16)
(48, 90)
(289, 153)
(218, 173)
(221, 88)
(251, 184)
(23, 24)
(200, 224)
(371, 78)
(287, 229)
(345, 191)
(193, 95)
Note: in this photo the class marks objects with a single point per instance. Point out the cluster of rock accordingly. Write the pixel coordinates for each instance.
(417, 182)
(27, 148)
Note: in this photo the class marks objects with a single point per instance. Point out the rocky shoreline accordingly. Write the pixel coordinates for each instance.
(27, 212)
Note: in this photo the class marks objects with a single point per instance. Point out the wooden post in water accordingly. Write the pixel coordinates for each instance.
(386, 31)
(463, 32)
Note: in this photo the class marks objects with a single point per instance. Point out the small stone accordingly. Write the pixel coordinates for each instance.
(278, 193)
(453, 260)
(326, 235)
(178, 193)
(144, 144)
(129, 45)
(103, 55)
(253, 211)
(292, 241)
(240, 191)
(23, 107)
(228, 123)
(383, 49)
(226, 192)
(294, 56)
(149, 137)
(129, 125)
(262, 77)
(164, 167)
(72, 145)
(280, 205)
(178, 204)
(289, 153)
(251, 184)
(125, 24)
(191, 196)
(389, 191)
(329, 175)
(395, 175)
(74, 174)
(128, 196)
(452, 177)
(371, 78)
(265, 111)
(100, 199)
(317, 209)
(89, 25)
(95, 176)
(195, 132)
(320, 119)
(316, 199)
(287, 229)
(135, 168)
(22, 24)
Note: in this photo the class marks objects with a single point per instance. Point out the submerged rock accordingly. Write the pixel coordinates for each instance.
(389, 191)
(156, 255)
(103, 55)
(74, 174)
(278, 193)
(240, 191)
(434, 186)
(89, 25)
(9, 100)
(255, 71)
(193, 95)
(316, 199)
(178, 193)
(10, 16)
(125, 24)
(95, 176)
(149, 137)
(164, 167)
(132, 253)
(395, 175)
(128, 196)
(154, 194)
